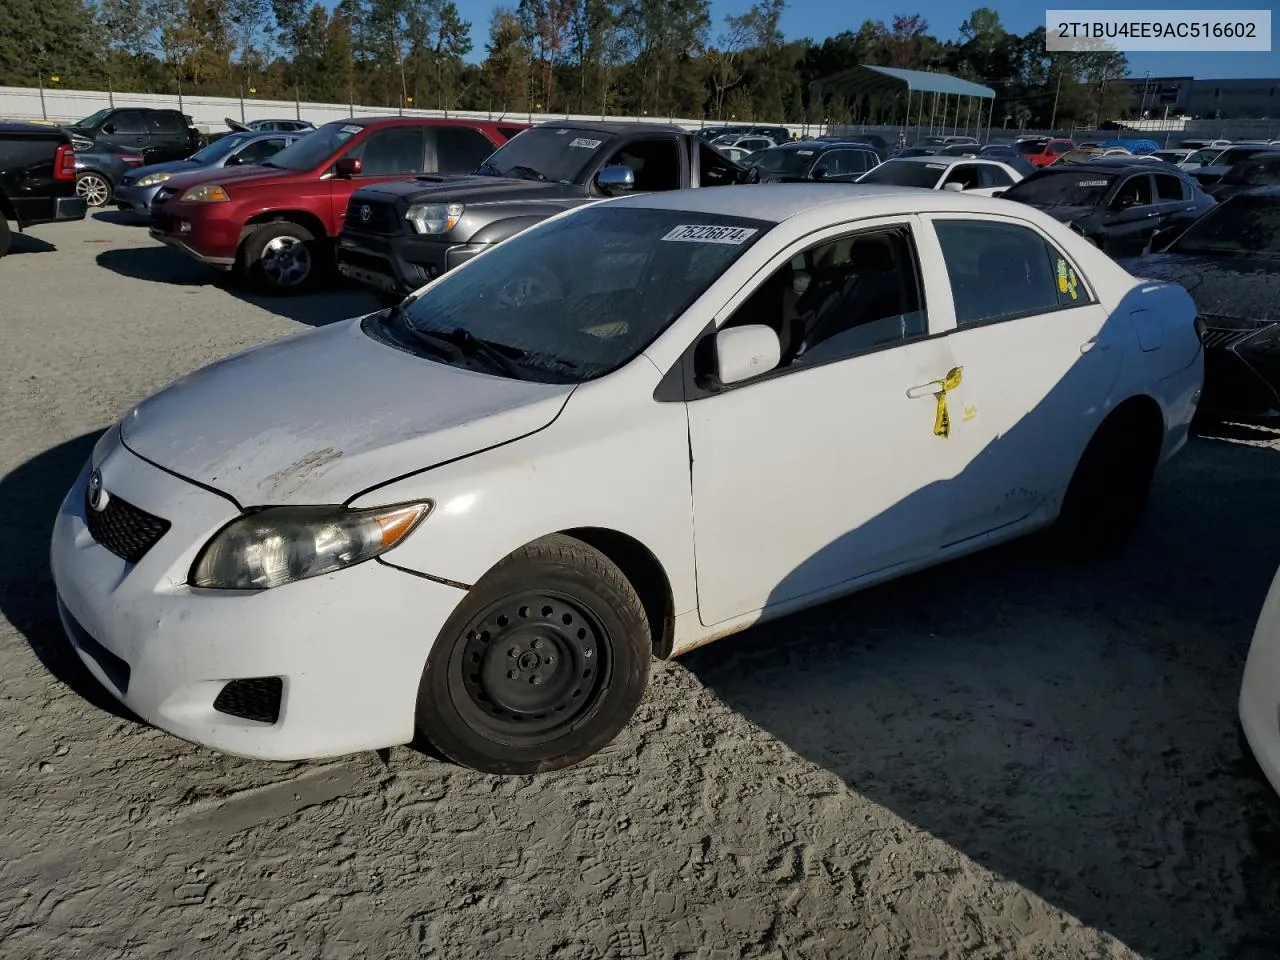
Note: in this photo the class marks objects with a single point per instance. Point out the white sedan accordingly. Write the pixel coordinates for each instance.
(1260, 689)
(631, 430)
(984, 178)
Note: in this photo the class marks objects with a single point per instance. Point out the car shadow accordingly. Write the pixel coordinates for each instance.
(1071, 728)
(32, 494)
(26, 243)
(340, 300)
(124, 218)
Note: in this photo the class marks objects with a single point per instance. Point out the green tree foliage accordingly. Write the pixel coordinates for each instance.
(656, 57)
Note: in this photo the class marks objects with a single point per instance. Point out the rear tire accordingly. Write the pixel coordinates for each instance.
(542, 665)
(283, 258)
(1109, 490)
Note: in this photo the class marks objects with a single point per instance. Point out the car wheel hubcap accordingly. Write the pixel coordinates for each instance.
(530, 668)
(93, 189)
(286, 261)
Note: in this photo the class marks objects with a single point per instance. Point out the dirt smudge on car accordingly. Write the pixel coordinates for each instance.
(296, 475)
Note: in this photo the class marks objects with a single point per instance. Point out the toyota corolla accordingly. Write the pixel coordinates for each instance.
(634, 428)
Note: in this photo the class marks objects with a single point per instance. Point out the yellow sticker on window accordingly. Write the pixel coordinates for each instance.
(1067, 281)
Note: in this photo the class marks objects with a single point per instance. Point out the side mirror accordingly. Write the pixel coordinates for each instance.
(616, 178)
(746, 352)
(348, 167)
(953, 187)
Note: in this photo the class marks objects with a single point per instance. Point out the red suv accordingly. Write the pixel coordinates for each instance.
(278, 222)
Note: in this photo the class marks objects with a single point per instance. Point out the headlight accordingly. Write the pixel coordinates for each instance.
(151, 179)
(205, 193)
(281, 544)
(81, 143)
(434, 217)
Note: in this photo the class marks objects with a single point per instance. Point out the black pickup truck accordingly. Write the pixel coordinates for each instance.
(37, 178)
(400, 235)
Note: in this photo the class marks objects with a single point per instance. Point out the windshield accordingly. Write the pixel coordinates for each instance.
(1229, 158)
(580, 296)
(315, 148)
(93, 119)
(792, 163)
(1030, 147)
(1255, 173)
(905, 174)
(551, 154)
(1240, 226)
(1076, 188)
(1206, 156)
(220, 148)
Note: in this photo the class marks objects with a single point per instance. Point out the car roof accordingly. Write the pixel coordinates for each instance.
(392, 121)
(776, 202)
(941, 158)
(616, 128)
(824, 145)
(19, 126)
(1117, 164)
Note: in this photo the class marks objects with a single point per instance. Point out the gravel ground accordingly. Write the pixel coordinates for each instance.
(1002, 757)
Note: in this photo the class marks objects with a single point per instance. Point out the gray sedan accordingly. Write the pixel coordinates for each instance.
(136, 189)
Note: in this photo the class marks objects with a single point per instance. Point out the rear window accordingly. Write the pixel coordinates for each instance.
(900, 173)
(1030, 147)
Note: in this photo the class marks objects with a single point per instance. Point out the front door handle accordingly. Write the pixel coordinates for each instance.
(932, 388)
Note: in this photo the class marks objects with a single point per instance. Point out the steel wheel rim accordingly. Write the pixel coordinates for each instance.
(530, 669)
(93, 188)
(286, 261)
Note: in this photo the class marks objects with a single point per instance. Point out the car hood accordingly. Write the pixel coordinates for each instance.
(321, 416)
(1239, 288)
(226, 176)
(468, 188)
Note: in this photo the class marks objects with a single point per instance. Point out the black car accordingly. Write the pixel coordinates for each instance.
(1213, 169)
(1260, 170)
(159, 135)
(813, 160)
(1006, 153)
(1229, 261)
(37, 178)
(879, 143)
(1117, 203)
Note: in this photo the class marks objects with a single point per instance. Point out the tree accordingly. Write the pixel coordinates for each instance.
(506, 69)
(723, 60)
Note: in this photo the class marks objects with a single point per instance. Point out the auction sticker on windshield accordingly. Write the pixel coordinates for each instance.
(585, 144)
(1093, 183)
(707, 233)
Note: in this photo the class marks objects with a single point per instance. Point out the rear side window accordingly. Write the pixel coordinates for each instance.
(460, 149)
(127, 121)
(999, 271)
(992, 176)
(1169, 188)
(166, 122)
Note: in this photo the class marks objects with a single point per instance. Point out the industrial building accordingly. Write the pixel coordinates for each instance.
(1205, 99)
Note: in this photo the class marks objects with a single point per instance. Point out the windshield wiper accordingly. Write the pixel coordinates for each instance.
(459, 343)
(528, 173)
(487, 169)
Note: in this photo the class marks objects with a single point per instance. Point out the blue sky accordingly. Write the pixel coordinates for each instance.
(821, 18)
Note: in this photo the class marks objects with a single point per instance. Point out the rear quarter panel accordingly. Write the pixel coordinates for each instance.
(26, 175)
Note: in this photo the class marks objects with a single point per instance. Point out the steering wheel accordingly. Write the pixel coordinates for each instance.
(540, 286)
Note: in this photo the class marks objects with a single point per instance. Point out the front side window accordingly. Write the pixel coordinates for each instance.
(965, 174)
(1134, 192)
(260, 150)
(578, 297)
(656, 163)
(713, 170)
(1256, 173)
(788, 162)
(999, 271)
(840, 298)
(389, 152)
(220, 148)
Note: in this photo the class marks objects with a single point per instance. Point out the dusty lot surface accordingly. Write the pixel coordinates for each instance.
(1001, 758)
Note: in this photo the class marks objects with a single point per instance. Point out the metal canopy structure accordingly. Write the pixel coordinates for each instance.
(918, 86)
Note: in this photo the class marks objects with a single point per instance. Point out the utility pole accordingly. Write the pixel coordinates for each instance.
(1146, 82)
(1053, 121)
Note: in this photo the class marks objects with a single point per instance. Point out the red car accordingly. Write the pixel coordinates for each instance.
(278, 223)
(1042, 151)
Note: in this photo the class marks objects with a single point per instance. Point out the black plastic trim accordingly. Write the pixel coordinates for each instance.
(425, 576)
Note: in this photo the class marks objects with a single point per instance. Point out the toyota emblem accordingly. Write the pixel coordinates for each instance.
(98, 497)
(365, 213)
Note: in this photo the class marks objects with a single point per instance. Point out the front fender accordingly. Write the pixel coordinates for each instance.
(498, 230)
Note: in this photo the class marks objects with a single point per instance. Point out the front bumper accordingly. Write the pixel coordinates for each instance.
(399, 265)
(136, 199)
(349, 648)
(203, 231)
(1260, 689)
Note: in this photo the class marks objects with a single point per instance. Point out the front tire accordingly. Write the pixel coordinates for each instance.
(283, 258)
(542, 665)
(1109, 490)
(95, 188)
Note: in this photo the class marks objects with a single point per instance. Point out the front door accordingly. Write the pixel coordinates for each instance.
(1039, 356)
(1132, 216)
(835, 465)
(392, 153)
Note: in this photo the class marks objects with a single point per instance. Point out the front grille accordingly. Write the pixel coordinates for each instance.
(257, 698)
(382, 216)
(124, 529)
(1215, 337)
(1224, 332)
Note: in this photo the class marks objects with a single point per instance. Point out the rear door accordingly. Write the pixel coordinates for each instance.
(1173, 197)
(168, 137)
(127, 129)
(1132, 215)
